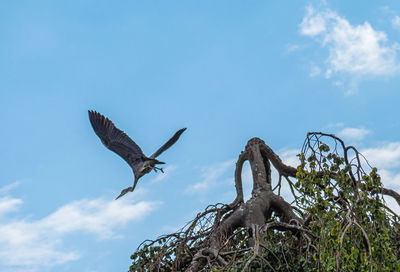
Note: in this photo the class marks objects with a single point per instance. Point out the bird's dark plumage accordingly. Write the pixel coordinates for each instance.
(116, 140)
(168, 144)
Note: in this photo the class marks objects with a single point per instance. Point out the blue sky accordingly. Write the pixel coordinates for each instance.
(226, 70)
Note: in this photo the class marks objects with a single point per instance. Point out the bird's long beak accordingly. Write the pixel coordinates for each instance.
(124, 191)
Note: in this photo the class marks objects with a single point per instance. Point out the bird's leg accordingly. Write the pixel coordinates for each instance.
(158, 168)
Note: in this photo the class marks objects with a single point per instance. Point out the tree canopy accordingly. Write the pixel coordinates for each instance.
(337, 221)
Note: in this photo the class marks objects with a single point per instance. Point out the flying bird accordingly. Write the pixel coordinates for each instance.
(116, 140)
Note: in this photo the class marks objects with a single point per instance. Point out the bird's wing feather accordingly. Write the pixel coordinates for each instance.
(115, 139)
(168, 144)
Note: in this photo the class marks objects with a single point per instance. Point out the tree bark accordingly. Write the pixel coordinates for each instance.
(263, 201)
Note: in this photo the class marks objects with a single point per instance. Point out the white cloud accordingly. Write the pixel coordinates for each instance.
(353, 133)
(9, 204)
(96, 216)
(289, 157)
(387, 159)
(358, 51)
(390, 178)
(5, 189)
(35, 244)
(210, 176)
(396, 22)
(384, 156)
(313, 24)
(392, 204)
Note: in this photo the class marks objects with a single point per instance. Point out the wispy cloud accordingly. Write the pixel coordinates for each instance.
(7, 188)
(396, 22)
(210, 176)
(9, 204)
(289, 157)
(34, 244)
(313, 23)
(292, 47)
(356, 51)
(97, 216)
(315, 71)
(384, 156)
(352, 134)
(390, 178)
(387, 159)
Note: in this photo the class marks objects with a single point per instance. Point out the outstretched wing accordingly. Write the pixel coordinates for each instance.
(114, 139)
(168, 144)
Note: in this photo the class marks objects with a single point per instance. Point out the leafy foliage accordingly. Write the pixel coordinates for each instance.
(344, 224)
(349, 218)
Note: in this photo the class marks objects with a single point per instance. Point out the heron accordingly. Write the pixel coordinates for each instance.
(117, 141)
